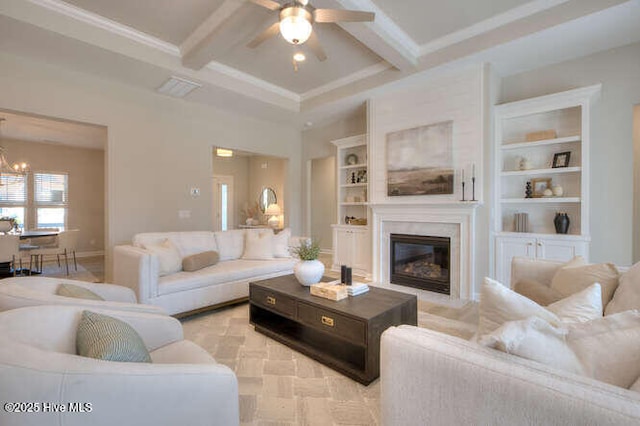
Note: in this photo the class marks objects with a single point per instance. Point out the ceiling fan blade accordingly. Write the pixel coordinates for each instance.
(269, 32)
(315, 47)
(269, 4)
(336, 15)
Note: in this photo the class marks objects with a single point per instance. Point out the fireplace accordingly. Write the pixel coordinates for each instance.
(421, 262)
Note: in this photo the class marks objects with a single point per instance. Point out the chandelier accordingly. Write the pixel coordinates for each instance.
(5, 166)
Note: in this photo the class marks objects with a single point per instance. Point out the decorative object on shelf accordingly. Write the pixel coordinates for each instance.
(524, 164)
(274, 211)
(361, 221)
(353, 177)
(528, 192)
(348, 219)
(521, 222)
(557, 190)
(547, 193)
(540, 135)
(539, 185)
(561, 222)
(561, 159)
(351, 160)
(361, 177)
(473, 182)
(309, 269)
(420, 160)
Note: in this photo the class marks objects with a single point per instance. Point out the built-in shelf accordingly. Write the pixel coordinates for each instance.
(555, 141)
(540, 235)
(541, 200)
(533, 172)
(353, 166)
(353, 185)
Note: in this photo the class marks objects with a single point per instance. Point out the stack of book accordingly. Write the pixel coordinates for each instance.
(357, 288)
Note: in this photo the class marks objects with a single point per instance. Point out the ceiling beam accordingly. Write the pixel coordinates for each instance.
(197, 50)
(382, 36)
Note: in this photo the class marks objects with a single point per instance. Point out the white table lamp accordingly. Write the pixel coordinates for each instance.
(274, 211)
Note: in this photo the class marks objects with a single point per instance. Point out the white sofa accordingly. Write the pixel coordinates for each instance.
(428, 377)
(38, 363)
(19, 292)
(182, 292)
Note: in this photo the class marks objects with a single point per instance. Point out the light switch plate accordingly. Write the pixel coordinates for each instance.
(195, 192)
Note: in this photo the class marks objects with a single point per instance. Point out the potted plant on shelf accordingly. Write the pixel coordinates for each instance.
(309, 270)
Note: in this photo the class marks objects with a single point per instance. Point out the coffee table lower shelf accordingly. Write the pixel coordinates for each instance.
(334, 352)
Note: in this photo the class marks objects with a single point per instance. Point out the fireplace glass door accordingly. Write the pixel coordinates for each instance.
(421, 262)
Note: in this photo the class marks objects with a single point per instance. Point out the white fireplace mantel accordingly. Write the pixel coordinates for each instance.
(453, 220)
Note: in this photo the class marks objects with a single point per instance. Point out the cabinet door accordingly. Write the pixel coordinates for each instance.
(361, 251)
(506, 249)
(342, 247)
(553, 249)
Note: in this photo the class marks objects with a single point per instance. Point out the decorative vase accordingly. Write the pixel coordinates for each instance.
(561, 222)
(308, 271)
(558, 191)
(528, 193)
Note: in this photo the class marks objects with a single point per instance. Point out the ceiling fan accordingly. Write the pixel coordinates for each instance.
(296, 22)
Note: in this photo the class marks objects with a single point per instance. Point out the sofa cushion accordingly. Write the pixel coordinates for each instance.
(536, 291)
(169, 259)
(230, 244)
(281, 243)
(627, 295)
(70, 290)
(223, 272)
(258, 246)
(609, 347)
(103, 337)
(582, 306)
(498, 304)
(534, 338)
(200, 260)
(571, 279)
(187, 243)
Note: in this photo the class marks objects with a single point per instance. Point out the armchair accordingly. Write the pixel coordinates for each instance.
(183, 384)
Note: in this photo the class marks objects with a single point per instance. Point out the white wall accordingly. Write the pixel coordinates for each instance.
(611, 139)
(158, 147)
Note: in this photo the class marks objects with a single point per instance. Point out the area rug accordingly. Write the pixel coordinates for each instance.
(278, 385)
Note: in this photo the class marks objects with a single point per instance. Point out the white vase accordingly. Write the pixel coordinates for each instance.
(308, 271)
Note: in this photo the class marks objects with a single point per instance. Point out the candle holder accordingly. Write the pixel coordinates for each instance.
(473, 189)
(463, 192)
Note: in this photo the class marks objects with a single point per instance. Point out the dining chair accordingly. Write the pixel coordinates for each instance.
(10, 250)
(67, 244)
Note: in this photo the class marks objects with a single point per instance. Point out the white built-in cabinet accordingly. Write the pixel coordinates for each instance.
(351, 241)
(518, 161)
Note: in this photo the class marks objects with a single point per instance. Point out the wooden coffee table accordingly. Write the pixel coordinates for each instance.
(344, 335)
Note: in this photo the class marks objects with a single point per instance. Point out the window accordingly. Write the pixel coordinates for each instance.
(13, 197)
(50, 199)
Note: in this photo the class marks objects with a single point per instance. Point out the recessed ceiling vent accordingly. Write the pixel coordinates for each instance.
(178, 87)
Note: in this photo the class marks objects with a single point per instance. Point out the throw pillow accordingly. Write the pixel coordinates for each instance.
(258, 246)
(627, 295)
(498, 304)
(582, 306)
(536, 291)
(281, 243)
(169, 260)
(198, 261)
(230, 244)
(103, 337)
(534, 338)
(71, 290)
(571, 279)
(609, 347)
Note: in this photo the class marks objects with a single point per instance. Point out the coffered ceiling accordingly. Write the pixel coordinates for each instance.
(143, 43)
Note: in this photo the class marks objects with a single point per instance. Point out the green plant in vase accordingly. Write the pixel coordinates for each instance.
(309, 270)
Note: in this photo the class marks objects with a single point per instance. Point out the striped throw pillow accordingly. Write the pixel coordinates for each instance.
(110, 339)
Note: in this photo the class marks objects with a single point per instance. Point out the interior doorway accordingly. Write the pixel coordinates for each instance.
(223, 217)
(322, 200)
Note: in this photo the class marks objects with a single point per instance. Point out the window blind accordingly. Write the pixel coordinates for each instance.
(50, 189)
(13, 189)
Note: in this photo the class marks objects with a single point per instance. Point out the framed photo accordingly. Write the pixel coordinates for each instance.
(539, 185)
(561, 159)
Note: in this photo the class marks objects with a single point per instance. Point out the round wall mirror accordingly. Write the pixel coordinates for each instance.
(267, 196)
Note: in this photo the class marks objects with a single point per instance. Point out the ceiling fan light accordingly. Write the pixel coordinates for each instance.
(295, 25)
